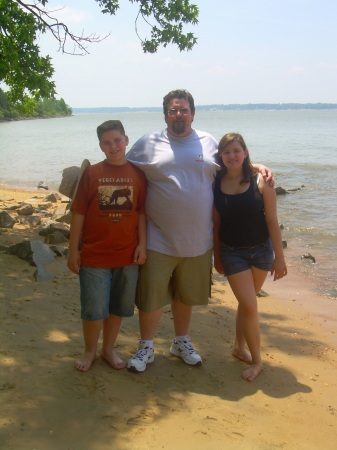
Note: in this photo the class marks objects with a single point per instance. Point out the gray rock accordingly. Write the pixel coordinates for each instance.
(59, 212)
(25, 210)
(52, 227)
(309, 256)
(55, 238)
(32, 221)
(6, 220)
(53, 197)
(280, 191)
(69, 179)
(45, 205)
(35, 252)
(59, 250)
(41, 274)
(65, 218)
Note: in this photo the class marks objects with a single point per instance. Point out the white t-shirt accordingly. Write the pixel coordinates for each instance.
(180, 172)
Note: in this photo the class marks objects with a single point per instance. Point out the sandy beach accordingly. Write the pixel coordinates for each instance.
(46, 404)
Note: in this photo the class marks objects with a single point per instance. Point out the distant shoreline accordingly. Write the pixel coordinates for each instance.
(231, 107)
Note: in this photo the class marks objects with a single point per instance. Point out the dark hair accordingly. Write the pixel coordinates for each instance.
(248, 169)
(178, 93)
(110, 125)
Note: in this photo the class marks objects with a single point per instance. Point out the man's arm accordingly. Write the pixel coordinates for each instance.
(266, 173)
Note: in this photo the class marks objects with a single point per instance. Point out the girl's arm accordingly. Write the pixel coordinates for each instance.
(140, 251)
(74, 256)
(216, 226)
(279, 268)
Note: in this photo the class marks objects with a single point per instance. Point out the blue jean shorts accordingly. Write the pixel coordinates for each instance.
(108, 291)
(239, 259)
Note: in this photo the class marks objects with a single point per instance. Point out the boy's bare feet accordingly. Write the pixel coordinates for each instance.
(251, 373)
(84, 363)
(242, 355)
(113, 360)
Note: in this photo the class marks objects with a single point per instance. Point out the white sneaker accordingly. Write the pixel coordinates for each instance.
(144, 355)
(184, 350)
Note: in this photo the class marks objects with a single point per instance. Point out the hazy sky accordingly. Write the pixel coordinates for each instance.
(248, 51)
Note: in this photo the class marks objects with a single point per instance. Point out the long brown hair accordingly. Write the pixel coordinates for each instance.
(247, 168)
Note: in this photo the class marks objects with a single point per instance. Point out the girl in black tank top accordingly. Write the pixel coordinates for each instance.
(247, 242)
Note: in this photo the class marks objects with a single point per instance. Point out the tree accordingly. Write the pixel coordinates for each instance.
(28, 74)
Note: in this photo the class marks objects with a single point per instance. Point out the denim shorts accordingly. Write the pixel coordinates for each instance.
(238, 259)
(108, 291)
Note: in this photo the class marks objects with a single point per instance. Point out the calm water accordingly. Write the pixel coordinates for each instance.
(300, 147)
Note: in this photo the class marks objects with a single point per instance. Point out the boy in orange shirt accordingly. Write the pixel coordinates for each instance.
(107, 243)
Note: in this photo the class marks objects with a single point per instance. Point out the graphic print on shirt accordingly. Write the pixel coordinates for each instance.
(115, 197)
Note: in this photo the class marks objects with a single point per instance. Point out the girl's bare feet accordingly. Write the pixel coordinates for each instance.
(84, 363)
(242, 355)
(251, 373)
(113, 360)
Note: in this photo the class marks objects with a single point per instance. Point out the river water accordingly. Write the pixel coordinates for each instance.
(300, 146)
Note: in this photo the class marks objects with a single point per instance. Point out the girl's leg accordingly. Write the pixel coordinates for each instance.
(111, 326)
(244, 286)
(91, 332)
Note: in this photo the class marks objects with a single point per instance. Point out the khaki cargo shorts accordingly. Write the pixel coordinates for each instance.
(164, 278)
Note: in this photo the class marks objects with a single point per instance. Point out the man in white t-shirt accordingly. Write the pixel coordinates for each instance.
(180, 165)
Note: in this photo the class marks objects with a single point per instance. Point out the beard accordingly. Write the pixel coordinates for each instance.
(179, 127)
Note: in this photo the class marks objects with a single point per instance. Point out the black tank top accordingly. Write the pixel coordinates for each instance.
(243, 222)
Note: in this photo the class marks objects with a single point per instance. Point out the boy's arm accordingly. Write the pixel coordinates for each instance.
(74, 256)
(266, 173)
(140, 251)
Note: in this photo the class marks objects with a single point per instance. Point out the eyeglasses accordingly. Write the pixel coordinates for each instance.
(174, 112)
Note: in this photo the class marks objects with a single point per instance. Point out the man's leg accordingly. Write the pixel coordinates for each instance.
(181, 345)
(182, 315)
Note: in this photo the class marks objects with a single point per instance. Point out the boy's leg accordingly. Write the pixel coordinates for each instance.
(95, 290)
(111, 327)
(91, 332)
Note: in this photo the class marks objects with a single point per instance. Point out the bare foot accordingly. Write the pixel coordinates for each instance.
(84, 363)
(242, 355)
(113, 360)
(251, 373)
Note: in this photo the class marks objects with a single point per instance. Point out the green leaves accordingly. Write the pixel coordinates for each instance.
(22, 68)
(27, 73)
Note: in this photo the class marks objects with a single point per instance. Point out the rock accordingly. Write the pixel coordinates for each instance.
(35, 252)
(41, 274)
(59, 212)
(55, 238)
(69, 179)
(53, 197)
(6, 220)
(25, 210)
(42, 185)
(280, 191)
(59, 250)
(262, 293)
(45, 205)
(52, 227)
(65, 218)
(32, 220)
(309, 256)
